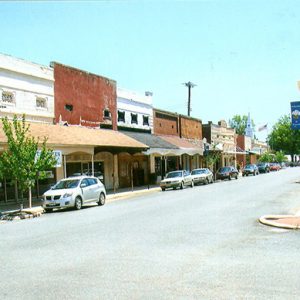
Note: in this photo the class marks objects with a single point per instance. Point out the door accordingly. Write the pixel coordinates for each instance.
(86, 190)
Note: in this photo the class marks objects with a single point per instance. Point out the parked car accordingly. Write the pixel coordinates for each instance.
(177, 179)
(74, 192)
(250, 169)
(263, 167)
(228, 172)
(202, 175)
(274, 167)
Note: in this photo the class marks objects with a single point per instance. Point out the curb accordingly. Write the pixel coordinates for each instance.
(124, 195)
(28, 213)
(270, 220)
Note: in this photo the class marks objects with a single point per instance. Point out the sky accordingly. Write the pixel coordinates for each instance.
(242, 55)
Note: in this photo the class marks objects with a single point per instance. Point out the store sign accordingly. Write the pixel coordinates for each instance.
(295, 112)
(58, 157)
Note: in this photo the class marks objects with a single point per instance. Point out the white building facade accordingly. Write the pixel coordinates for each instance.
(134, 111)
(26, 88)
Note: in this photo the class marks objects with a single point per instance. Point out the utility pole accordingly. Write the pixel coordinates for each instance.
(189, 85)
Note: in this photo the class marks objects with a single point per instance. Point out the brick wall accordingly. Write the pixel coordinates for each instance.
(240, 141)
(190, 128)
(79, 94)
(165, 123)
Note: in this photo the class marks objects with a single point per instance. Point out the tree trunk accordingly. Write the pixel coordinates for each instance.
(16, 192)
(29, 197)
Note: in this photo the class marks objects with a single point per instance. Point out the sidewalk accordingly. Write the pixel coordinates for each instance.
(111, 196)
(281, 221)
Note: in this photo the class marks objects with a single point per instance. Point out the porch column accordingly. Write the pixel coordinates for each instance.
(115, 172)
(65, 166)
(92, 164)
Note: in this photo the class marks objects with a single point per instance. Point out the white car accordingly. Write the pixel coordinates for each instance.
(177, 179)
(74, 192)
(202, 175)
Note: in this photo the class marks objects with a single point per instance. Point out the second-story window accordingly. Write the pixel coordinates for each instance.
(8, 97)
(41, 102)
(106, 114)
(146, 120)
(134, 119)
(69, 107)
(121, 116)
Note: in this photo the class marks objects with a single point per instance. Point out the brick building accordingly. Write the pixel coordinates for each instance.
(83, 98)
(183, 132)
(221, 138)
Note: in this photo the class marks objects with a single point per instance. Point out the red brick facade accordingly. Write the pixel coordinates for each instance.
(190, 128)
(82, 96)
(165, 123)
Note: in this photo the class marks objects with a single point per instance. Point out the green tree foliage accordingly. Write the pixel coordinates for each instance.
(266, 157)
(280, 157)
(284, 138)
(239, 123)
(20, 162)
(211, 158)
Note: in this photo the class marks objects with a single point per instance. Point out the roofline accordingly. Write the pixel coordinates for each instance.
(166, 112)
(53, 63)
(26, 61)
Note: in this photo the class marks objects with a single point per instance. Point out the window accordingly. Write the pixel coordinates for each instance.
(121, 116)
(69, 107)
(41, 102)
(146, 120)
(106, 114)
(134, 119)
(8, 97)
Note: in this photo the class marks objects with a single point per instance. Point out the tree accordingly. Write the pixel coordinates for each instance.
(211, 157)
(266, 157)
(21, 162)
(280, 157)
(284, 138)
(239, 123)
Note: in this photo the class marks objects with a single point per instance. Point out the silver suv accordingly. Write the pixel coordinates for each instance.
(74, 192)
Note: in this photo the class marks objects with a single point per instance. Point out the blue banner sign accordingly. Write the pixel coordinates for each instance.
(295, 111)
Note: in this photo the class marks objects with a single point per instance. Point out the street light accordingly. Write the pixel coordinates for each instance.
(189, 85)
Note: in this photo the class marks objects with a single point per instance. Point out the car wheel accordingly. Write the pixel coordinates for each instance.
(181, 185)
(192, 184)
(78, 203)
(48, 210)
(101, 199)
(206, 181)
(211, 181)
(236, 177)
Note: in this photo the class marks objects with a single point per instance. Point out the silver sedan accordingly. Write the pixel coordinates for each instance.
(202, 175)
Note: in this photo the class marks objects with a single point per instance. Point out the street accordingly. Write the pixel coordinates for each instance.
(197, 243)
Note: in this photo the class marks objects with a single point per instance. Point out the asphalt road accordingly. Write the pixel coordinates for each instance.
(200, 243)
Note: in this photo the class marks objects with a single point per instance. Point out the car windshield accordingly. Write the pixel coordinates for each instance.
(197, 172)
(261, 165)
(174, 174)
(66, 184)
(224, 169)
(249, 167)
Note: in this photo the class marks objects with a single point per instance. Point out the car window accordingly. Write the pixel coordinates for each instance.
(174, 174)
(84, 182)
(92, 181)
(66, 184)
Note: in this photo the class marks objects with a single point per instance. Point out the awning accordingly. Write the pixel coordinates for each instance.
(77, 136)
(186, 146)
(156, 144)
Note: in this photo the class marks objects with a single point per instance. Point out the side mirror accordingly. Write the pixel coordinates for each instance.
(83, 185)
